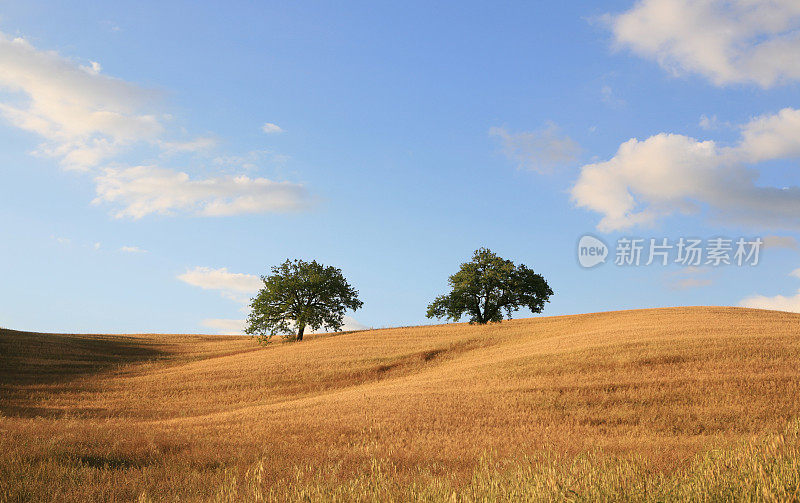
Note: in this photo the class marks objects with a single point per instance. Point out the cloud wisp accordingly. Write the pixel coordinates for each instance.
(145, 190)
(689, 278)
(541, 151)
(132, 249)
(788, 242)
(238, 287)
(271, 128)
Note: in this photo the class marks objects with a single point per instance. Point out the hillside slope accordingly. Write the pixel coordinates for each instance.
(662, 384)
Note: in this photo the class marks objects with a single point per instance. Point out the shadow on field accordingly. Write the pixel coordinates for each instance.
(35, 362)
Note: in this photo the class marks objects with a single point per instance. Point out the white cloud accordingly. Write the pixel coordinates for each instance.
(87, 120)
(97, 246)
(271, 128)
(142, 190)
(94, 68)
(708, 123)
(225, 326)
(669, 173)
(220, 279)
(687, 283)
(726, 41)
(351, 323)
(236, 327)
(712, 123)
(235, 286)
(609, 98)
(771, 136)
(132, 249)
(83, 116)
(780, 242)
(689, 277)
(776, 303)
(540, 150)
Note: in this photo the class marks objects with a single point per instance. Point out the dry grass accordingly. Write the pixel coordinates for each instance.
(652, 404)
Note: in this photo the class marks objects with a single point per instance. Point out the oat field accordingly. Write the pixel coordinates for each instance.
(665, 404)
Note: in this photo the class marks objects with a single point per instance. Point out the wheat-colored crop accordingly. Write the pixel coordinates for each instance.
(644, 403)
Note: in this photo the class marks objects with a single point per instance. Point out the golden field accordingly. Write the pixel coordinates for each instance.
(658, 404)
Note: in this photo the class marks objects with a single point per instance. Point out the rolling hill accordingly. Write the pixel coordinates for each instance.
(629, 397)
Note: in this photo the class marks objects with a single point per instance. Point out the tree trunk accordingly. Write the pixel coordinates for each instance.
(478, 313)
(300, 330)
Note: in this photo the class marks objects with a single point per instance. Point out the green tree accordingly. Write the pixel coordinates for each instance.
(487, 286)
(298, 295)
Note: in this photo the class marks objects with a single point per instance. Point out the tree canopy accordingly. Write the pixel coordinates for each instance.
(488, 286)
(299, 295)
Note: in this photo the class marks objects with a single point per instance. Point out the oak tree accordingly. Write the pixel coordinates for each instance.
(299, 295)
(488, 286)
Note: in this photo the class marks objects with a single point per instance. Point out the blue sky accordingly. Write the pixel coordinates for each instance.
(156, 159)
